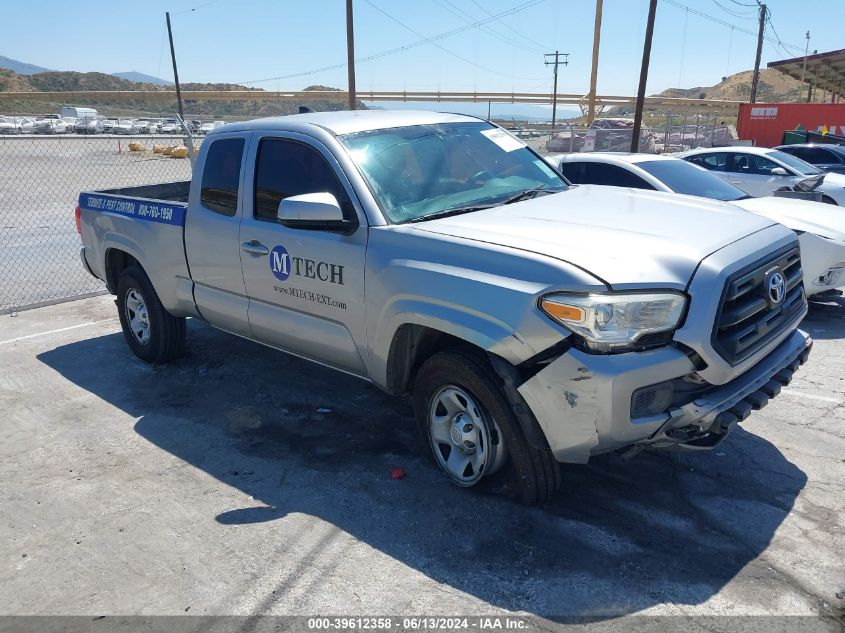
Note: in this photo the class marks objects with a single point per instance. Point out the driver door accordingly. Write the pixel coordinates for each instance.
(305, 286)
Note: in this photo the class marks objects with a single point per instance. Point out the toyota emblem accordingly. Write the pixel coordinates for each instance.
(776, 288)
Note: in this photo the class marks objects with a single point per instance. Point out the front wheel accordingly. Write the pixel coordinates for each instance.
(153, 334)
(473, 433)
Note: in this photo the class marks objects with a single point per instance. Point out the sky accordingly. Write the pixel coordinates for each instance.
(282, 44)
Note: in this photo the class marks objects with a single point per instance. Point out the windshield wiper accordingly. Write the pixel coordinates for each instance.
(445, 213)
(529, 193)
(450, 211)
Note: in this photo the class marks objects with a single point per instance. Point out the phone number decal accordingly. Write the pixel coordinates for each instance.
(143, 210)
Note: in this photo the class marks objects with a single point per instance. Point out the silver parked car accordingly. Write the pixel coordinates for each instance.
(760, 170)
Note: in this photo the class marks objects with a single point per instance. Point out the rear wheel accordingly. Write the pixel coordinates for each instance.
(472, 431)
(153, 334)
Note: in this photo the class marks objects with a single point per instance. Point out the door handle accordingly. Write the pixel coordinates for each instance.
(254, 247)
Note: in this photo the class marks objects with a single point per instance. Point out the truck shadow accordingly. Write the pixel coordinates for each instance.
(298, 438)
(825, 318)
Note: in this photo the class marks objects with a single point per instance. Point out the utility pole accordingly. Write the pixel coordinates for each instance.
(591, 110)
(756, 77)
(638, 114)
(804, 65)
(555, 63)
(810, 84)
(350, 54)
(175, 72)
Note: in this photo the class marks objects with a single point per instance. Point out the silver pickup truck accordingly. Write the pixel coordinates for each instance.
(533, 322)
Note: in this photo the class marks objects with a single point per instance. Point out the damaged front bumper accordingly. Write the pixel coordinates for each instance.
(583, 402)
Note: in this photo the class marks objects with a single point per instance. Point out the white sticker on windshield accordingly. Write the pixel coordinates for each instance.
(503, 139)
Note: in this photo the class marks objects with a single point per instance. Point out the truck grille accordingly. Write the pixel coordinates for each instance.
(749, 315)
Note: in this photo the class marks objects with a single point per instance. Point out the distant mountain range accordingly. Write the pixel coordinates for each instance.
(134, 75)
(65, 81)
(23, 68)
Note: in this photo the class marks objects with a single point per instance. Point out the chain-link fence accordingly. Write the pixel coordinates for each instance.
(662, 140)
(40, 184)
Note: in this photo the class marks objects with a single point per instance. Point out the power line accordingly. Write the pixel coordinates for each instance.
(467, 17)
(196, 8)
(742, 15)
(707, 16)
(441, 47)
(531, 40)
(399, 49)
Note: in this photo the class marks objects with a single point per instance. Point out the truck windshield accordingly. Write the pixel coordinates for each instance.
(428, 170)
(683, 177)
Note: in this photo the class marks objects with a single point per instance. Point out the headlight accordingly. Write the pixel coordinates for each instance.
(615, 322)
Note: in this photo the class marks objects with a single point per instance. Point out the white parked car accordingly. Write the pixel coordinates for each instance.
(169, 128)
(89, 125)
(205, 128)
(760, 170)
(27, 125)
(10, 126)
(821, 227)
(123, 126)
(141, 126)
(51, 126)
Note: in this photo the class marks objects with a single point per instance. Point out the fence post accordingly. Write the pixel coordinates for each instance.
(695, 138)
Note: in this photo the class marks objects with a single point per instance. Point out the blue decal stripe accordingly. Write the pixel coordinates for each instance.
(138, 208)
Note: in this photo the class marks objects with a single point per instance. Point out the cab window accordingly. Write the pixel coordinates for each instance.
(221, 176)
(287, 168)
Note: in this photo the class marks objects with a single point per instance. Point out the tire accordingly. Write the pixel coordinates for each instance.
(512, 467)
(828, 200)
(153, 334)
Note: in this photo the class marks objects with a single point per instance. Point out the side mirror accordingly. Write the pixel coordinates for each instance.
(778, 171)
(315, 212)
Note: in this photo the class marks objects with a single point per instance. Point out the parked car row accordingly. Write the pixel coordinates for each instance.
(95, 124)
(820, 227)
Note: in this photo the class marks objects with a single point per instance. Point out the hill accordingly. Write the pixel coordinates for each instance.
(773, 86)
(62, 81)
(133, 75)
(21, 68)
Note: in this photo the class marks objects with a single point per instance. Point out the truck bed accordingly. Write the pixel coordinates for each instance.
(165, 191)
(147, 223)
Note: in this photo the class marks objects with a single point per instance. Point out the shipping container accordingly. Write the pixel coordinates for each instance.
(765, 123)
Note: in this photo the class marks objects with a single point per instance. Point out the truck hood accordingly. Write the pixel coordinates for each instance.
(827, 220)
(624, 237)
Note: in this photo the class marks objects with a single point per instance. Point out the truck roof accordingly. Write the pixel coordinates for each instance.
(349, 121)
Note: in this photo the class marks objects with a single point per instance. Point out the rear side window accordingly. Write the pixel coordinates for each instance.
(713, 162)
(813, 155)
(221, 176)
(588, 173)
(289, 168)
